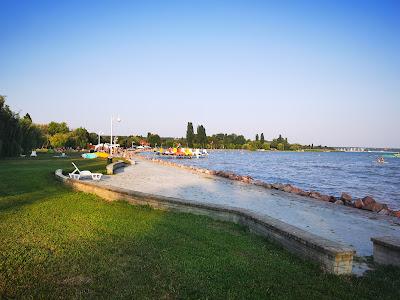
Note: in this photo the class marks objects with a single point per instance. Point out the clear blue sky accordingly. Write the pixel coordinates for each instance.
(322, 72)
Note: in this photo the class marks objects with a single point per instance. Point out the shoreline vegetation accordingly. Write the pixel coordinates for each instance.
(20, 135)
(57, 242)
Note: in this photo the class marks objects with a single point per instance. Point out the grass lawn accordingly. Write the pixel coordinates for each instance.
(57, 243)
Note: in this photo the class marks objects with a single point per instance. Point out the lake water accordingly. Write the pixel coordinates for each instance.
(327, 172)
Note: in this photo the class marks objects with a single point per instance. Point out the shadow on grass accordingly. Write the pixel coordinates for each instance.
(18, 201)
(24, 181)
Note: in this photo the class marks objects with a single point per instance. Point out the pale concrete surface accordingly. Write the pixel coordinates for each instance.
(345, 225)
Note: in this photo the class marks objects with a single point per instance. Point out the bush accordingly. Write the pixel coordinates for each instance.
(250, 146)
(266, 146)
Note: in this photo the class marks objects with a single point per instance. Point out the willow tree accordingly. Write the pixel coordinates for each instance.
(32, 135)
(10, 131)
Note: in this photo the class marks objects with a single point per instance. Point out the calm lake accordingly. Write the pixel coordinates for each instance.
(328, 172)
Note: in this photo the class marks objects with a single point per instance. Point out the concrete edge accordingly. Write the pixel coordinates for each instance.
(60, 176)
(386, 250)
(332, 256)
(387, 241)
(114, 166)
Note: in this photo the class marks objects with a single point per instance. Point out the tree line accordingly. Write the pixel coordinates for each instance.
(20, 135)
(235, 141)
(200, 139)
(17, 135)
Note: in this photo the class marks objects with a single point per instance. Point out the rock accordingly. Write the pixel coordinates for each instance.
(372, 207)
(384, 212)
(296, 190)
(246, 179)
(339, 202)
(315, 195)
(287, 188)
(277, 186)
(224, 174)
(325, 198)
(233, 176)
(395, 213)
(267, 185)
(368, 200)
(258, 182)
(345, 197)
(333, 199)
(377, 207)
(358, 203)
(350, 204)
(367, 207)
(304, 193)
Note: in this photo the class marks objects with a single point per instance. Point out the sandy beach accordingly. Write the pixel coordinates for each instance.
(335, 222)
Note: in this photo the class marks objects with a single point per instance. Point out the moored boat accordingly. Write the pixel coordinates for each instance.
(182, 152)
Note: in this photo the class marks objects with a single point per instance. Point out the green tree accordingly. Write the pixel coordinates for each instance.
(55, 127)
(201, 136)
(295, 147)
(27, 142)
(257, 137)
(10, 131)
(267, 146)
(81, 137)
(28, 117)
(153, 139)
(59, 140)
(71, 140)
(250, 146)
(262, 140)
(280, 140)
(280, 147)
(93, 138)
(190, 134)
(32, 136)
(136, 140)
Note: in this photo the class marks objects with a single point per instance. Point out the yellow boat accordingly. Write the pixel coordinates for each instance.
(102, 154)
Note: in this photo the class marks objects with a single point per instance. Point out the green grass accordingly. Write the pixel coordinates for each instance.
(57, 243)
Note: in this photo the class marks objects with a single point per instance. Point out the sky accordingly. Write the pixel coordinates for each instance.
(321, 72)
